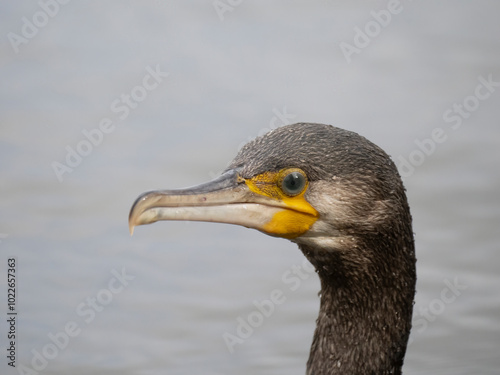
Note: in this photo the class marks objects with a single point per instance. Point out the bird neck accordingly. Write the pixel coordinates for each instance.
(366, 303)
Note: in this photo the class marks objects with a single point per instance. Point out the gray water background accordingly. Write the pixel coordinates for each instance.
(231, 78)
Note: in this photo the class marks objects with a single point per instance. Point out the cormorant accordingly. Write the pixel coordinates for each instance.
(339, 197)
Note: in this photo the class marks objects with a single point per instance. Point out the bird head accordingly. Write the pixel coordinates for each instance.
(313, 184)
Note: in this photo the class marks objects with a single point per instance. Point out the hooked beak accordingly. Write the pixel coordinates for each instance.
(227, 199)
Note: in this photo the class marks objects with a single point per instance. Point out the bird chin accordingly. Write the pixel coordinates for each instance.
(323, 243)
(324, 237)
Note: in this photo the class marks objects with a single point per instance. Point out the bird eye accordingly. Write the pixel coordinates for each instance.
(293, 183)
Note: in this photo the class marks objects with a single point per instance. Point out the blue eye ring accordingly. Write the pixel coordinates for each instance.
(294, 182)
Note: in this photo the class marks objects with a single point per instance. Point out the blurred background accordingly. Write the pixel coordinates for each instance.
(101, 101)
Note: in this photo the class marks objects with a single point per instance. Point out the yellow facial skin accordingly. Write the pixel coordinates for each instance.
(299, 215)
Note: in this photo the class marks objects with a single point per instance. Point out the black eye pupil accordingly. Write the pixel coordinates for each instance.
(293, 183)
